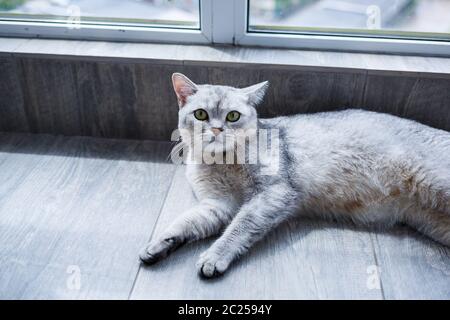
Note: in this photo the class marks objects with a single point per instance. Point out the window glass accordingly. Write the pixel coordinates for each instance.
(397, 18)
(166, 13)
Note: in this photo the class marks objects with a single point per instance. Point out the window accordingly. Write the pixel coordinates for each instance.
(136, 20)
(397, 26)
(419, 19)
(175, 13)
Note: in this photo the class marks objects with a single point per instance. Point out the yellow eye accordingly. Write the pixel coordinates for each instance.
(233, 116)
(201, 114)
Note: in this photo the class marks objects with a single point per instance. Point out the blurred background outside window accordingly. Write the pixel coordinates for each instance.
(413, 17)
(176, 13)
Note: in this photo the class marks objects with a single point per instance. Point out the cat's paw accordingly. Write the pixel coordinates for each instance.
(212, 264)
(158, 250)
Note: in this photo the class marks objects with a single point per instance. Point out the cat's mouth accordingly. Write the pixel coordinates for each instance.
(221, 142)
(211, 138)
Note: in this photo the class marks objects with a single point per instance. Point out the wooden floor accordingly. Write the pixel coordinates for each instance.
(74, 213)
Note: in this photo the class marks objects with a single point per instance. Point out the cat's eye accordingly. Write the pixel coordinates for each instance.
(233, 116)
(201, 114)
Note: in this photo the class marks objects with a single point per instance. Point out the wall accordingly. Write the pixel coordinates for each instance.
(134, 98)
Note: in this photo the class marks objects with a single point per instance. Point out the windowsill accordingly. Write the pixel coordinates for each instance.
(173, 54)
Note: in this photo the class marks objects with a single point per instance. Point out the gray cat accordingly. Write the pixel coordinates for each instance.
(361, 166)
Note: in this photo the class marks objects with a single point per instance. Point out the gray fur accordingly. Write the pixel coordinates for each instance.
(361, 166)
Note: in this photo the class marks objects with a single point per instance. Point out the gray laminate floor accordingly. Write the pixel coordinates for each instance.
(74, 213)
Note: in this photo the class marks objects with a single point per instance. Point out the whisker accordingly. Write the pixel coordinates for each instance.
(176, 149)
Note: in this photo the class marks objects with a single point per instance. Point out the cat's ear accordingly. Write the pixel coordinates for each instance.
(183, 87)
(256, 92)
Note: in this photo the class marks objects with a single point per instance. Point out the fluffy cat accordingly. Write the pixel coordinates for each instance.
(357, 165)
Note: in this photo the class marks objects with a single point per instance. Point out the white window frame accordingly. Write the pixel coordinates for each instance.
(332, 42)
(225, 22)
(93, 31)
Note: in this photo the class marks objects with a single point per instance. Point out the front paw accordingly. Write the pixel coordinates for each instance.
(159, 249)
(212, 264)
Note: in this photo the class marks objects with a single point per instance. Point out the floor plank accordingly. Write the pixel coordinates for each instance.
(82, 207)
(87, 205)
(412, 266)
(300, 260)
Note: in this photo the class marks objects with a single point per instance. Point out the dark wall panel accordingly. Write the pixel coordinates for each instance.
(426, 100)
(12, 113)
(127, 99)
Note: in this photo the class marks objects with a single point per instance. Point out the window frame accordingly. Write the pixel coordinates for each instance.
(226, 22)
(113, 32)
(358, 43)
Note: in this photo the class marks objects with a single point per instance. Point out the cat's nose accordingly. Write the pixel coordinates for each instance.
(216, 131)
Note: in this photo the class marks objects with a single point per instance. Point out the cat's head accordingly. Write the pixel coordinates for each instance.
(218, 113)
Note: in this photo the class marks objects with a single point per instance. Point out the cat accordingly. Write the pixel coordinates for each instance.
(355, 165)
